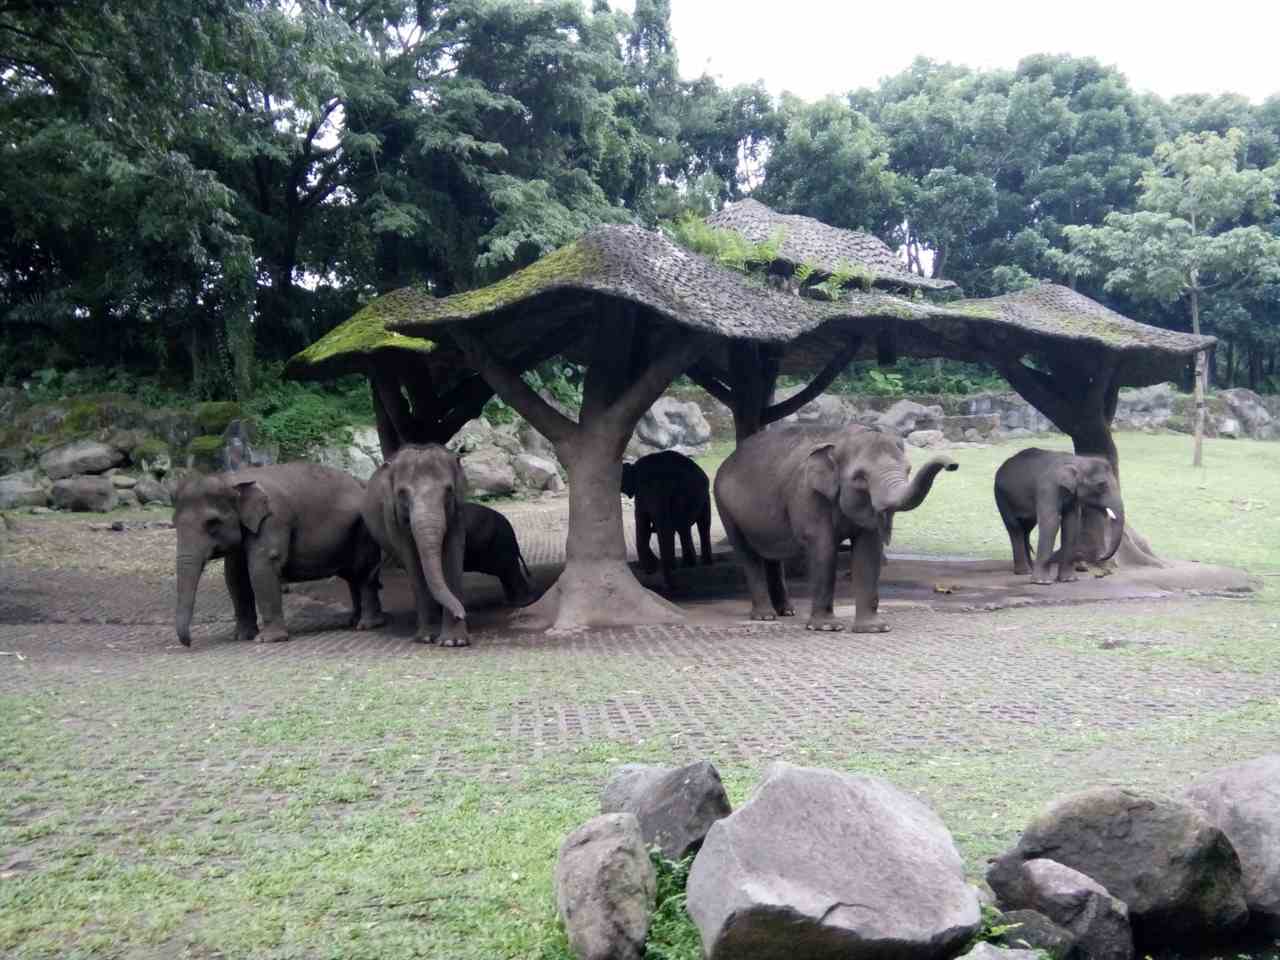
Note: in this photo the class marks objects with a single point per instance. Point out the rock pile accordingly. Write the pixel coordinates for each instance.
(828, 865)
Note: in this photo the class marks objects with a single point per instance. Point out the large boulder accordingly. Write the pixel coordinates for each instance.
(1013, 411)
(22, 490)
(605, 888)
(929, 439)
(1250, 410)
(489, 473)
(1177, 872)
(824, 410)
(535, 443)
(1082, 906)
(672, 424)
(537, 472)
(79, 457)
(85, 493)
(847, 866)
(907, 416)
(361, 457)
(676, 806)
(1243, 801)
(472, 437)
(148, 490)
(1031, 930)
(989, 951)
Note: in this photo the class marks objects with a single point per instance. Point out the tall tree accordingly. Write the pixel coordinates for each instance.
(1195, 235)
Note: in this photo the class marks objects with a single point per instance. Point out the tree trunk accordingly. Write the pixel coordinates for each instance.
(1201, 383)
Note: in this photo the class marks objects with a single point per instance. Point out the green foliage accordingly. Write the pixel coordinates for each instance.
(993, 929)
(214, 416)
(726, 247)
(672, 934)
(301, 417)
(915, 377)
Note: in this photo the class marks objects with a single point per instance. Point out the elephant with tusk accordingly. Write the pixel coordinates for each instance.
(807, 490)
(1051, 489)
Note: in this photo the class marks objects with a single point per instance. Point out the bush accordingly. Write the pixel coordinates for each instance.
(300, 417)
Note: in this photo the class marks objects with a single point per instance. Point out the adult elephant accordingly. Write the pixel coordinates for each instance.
(807, 490)
(274, 525)
(413, 506)
(1051, 489)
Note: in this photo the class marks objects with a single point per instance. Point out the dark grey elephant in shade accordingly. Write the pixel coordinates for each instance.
(492, 548)
(274, 525)
(805, 490)
(672, 495)
(413, 506)
(1050, 488)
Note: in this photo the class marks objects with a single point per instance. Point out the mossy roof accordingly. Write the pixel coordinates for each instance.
(689, 290)
(806, 240)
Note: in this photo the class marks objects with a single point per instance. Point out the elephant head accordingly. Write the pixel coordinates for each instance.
(210, 516)
(1092, 483)
(428, 490)
(866, 472)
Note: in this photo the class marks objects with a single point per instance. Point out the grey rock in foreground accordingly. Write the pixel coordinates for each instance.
(1034, 931)
(93, 494)
(80, 456)
(1177, 873)
(605, 888)
(989, 951)
(1243, 801)
(675, 806)
(823, 864)
(1082, 906)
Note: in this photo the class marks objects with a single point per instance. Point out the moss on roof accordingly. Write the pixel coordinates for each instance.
(805, 240)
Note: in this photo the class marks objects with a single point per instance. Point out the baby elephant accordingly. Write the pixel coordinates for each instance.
(492, 548)
(274, 525)
(414, 509)
(672, 494)
(1051, 488)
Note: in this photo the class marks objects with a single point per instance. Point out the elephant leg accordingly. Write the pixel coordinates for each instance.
(667, 547)
(235, 568)
(753, 567)
(264, 575)
(644, 530)
(1048, 522)
(822, 582)
(366, 605)
(1070, 534)
(704, 532)
(688, 557)
(1017, 535)
(778, 596)
(428, 611)
(865, 562)
(453, 632)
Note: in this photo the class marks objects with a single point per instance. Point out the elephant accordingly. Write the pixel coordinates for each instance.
(807, 489)
(492, 548)
(1051, 488)
(413, 506)
(273, 525)
(672, 494)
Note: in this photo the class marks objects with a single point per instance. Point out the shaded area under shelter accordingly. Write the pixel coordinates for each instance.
(637, 310)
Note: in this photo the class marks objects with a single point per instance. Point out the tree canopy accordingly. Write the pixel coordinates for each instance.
(203, 187)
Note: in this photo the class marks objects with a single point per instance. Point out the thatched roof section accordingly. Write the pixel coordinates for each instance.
(806, 240)
(645, 268)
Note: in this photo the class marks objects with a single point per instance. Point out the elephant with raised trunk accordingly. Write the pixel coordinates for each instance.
(805, 490)
(274, 525)
(1051, 489)
(414, 507)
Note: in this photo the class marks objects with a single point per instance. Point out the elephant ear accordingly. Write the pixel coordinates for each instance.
(821, 472)
(1068, 477)
(254, 505)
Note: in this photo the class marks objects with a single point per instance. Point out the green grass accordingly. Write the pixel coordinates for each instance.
(384, 809)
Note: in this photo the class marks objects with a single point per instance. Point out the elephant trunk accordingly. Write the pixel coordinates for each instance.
(1115, 511)
(428, 525)
(893, 492)
(190, 567)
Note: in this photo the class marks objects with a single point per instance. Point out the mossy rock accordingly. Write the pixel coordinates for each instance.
(205, 453)
(150, 449)
(101, 411)
(214, 416)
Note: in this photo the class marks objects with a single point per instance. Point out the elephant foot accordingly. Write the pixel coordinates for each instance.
(424, 636)
(825, 625)
(1070, 578)
(786, 610)
(370, 622)
(765, 614)
(1020, 571)
(870, 625)
(1042, 581)
(274, 634)
(458, 638)
(246, 632)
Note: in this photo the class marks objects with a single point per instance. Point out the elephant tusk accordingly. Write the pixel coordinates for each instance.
(1111, 514)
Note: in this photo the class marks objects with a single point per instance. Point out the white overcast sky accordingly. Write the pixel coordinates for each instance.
(819, 47)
